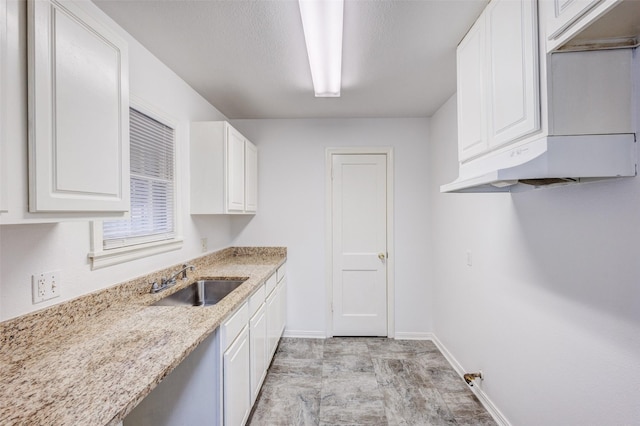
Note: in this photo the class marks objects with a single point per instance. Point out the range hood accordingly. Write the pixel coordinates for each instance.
(549, 161)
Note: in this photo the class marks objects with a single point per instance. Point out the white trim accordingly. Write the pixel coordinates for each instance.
(104, 258)
(101, 258)
(477, 389)
(388, 151)
(304, 334)
(414, 335)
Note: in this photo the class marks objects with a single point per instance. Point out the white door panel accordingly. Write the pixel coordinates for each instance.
(78, 111)
(359, 199)
(235, 171)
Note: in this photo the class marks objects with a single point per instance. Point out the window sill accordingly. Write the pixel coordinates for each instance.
(103, 258)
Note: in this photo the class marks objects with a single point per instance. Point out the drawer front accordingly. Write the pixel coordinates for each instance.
(257, 300)
(230, 329)
(281, 272)
(271, 284)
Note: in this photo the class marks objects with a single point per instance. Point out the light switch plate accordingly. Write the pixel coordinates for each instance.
(45, 286)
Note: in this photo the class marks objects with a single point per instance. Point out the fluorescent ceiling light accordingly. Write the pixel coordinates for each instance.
(322, 24)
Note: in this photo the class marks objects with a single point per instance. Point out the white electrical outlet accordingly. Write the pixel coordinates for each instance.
(203, 244)
(45, 286)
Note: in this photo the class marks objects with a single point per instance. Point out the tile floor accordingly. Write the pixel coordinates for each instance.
(364, 381)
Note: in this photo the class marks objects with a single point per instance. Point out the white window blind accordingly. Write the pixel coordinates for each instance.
(152, 186)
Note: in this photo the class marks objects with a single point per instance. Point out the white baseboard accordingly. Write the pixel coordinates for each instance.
(305, 334)
(482, 396)
(413, 335)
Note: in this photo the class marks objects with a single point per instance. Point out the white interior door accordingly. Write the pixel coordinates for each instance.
(359, 247)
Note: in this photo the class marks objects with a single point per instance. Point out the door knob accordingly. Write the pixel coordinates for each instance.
(381, 256)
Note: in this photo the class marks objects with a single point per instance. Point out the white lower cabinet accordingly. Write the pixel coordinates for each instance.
(282, 306)
(258, 346)
(248, 340)
(282, 299)
(276, 312)
(272, 322)
(236, 381)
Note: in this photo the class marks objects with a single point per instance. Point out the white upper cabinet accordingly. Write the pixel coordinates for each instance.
(235, 171)
(580, 24)
(251, 177)
(565, 13)
(513, 90)
(498, 89)
(78, 109)
(471, 97)
(224, 170)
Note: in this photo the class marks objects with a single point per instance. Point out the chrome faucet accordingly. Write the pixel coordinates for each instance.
(171, 281)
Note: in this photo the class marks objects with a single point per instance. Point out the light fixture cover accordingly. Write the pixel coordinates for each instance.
(322, 24)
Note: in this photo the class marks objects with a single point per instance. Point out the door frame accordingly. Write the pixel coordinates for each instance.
(330, 152)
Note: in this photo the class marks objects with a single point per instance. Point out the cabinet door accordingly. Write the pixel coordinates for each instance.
(273, 324)
(512, 52)
(258, 347)
(78, 111)
(471, 98)
(282, 306)
(236, 393)
(565, 13)
(235, 170)
(251, 177)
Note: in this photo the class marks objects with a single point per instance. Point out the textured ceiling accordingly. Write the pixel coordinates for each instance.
(248, 57)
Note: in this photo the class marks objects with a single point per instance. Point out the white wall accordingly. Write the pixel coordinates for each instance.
(291, 210)
(33, 248)
(550, 308)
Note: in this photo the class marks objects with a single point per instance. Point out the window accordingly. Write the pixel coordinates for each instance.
(152, 186)
(151, 227)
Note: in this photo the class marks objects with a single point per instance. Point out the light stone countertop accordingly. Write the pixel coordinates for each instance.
(91, 360)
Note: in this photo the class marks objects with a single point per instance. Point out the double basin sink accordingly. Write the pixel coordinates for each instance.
(201, 293)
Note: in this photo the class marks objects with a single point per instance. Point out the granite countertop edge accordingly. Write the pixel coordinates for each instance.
(96, 367)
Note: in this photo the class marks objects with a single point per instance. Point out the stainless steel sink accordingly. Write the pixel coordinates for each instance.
(201, 293)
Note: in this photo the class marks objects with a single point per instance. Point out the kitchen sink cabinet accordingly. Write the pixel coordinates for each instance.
(187, 396)
(498, 91)
(224, 170)
(78, 110)
(218, 383)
